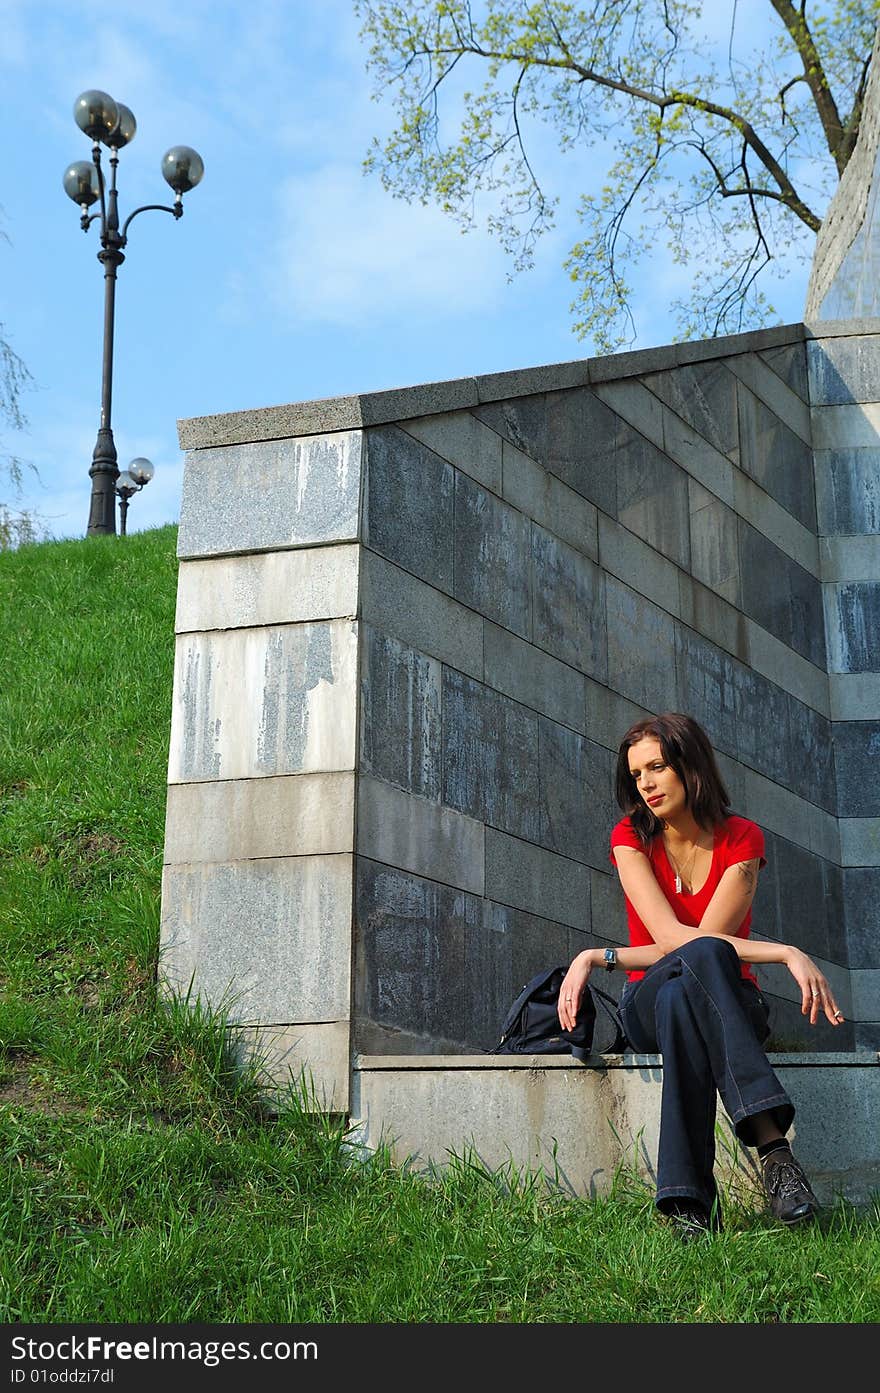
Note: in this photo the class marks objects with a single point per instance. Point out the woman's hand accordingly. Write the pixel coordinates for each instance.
(573, 984)
(816, 993)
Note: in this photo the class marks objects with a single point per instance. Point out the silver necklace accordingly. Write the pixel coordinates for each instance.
(680, 875)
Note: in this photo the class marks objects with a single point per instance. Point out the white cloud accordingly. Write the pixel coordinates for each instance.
(348, 251)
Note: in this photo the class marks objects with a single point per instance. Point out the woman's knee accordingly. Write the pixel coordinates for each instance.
(707, 949)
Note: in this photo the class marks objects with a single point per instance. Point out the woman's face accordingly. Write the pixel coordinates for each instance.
(657, 782)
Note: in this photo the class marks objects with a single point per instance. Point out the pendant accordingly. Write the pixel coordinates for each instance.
(678, 885)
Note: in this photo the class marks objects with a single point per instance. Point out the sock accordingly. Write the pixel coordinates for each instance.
(766, 1147)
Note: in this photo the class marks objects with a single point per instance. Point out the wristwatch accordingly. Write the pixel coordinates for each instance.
(610, 959)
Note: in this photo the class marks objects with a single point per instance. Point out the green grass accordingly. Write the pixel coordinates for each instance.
(144, 1180)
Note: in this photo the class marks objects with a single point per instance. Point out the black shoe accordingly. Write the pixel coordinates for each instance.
(791, 1199)
(691, 1222)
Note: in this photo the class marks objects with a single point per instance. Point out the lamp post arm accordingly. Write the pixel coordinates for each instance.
(176, 212)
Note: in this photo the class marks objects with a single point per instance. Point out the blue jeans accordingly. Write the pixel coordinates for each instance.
(709, 1024)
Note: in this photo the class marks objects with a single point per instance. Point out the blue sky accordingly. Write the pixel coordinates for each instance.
(291, 276)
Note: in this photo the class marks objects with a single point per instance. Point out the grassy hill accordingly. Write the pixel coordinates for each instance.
(143, 1180)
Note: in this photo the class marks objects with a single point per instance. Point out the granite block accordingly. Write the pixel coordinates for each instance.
(807, 615)
(409, 954)
(756, 508)
(416, 835)
(533, 677)
(328, 414)
(706, 687)
(852, 624)
(609, 715)
(844, 370)
(790, 363)
(270, 495)
(803, 913)
(703, 395)
(577, 783)
(774, 660)
(866, 994)
(524, 382)
(242, 819)
(766, 583)
(652, 500)
(849, 558)
(701, 460)
(270, 940)
(529, 877)
(521, 420)
(313, 1059)
(398, 604)
(867, 1038)
(714, 551)
(861, 900)
(490, 757)
(856, 748)
(812, 755)
(410, 505)
(779, 810)
(641, 648)
(545, 499)
(568, 617)
(855, 696)
(276, 587)
(776, 458)
(492, 562)
(256, 702)
(859, 841)
(400, 714)
(848, 491)
(438, 964)
(835, 912)
(712, 616)
(791, 1032)
(787, 406)
(631, 400)
(846, 427)
(584, 443)
(462, 440)
(763, 725)
(572, 434)
(766, 918)
(633, 561)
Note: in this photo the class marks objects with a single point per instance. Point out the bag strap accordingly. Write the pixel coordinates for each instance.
(620, 1043)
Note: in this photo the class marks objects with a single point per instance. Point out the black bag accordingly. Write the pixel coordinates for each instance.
(531, 1026)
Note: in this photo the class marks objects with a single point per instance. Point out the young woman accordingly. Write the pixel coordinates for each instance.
(689, 871)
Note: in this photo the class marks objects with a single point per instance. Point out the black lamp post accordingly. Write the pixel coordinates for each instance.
(110, 123)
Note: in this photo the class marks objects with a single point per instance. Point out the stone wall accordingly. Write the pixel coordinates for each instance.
(845, 398)
(517, 566)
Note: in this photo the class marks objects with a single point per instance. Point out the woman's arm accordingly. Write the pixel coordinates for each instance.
(725, 912)
(723, 916)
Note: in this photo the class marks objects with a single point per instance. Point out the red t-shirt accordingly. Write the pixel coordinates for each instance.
(736, 840)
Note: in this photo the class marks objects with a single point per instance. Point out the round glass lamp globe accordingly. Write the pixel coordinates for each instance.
(126, 485)
(182, 168)
(124, 130)
(81, 183)
(141, 470)
(96, 113)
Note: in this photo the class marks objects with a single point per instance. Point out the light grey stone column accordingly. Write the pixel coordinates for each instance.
(259, 845)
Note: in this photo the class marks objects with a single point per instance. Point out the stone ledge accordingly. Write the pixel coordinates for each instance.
(431, 398)
(370, 1062)
(577, 1124)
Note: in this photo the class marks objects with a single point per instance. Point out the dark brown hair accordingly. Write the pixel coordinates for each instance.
(686, 749)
